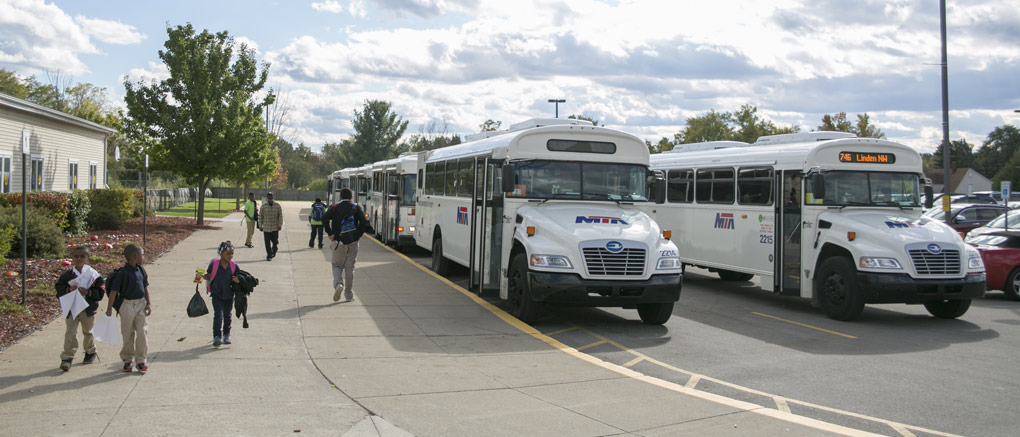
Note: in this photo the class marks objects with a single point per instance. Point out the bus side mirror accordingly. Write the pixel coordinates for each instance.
(660, 191)
(818, 186)
(929, 197)
(507, 179)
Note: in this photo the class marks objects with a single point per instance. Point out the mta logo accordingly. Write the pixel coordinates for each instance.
(600, 219)
(724, 220)
(892, 224)
(462, 217)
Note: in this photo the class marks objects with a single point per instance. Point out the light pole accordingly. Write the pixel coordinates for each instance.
(26, 139)
(945, 115)
(557, 102)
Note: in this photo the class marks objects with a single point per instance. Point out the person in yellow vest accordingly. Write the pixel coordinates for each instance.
(315, 219)
(251, 217)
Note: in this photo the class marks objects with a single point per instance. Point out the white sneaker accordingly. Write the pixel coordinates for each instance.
(349, 299)
(338, 292)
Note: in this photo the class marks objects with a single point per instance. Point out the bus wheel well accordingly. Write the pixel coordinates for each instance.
(830, 250)
(437, 234)
(517, 248)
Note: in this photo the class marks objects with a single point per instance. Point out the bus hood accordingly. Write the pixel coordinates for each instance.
(590, 222)
(895, 227)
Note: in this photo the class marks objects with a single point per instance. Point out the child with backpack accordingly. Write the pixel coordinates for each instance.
(315, 219)
(89, 283)
(220, 274)
(129, 293)
(345, 223)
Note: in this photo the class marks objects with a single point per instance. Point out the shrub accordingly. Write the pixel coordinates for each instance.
(103, 218)
(78, 208)
(7, 236)
(9, 307)
(119, 200)
(55, 204)
(42, 289)
(136, 206)
(44, 237)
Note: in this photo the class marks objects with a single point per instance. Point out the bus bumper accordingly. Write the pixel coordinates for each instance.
(901, 288)
(571, 289)
(405, 240)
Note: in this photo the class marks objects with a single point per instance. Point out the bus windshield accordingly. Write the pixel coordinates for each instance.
(580, 181)
(407, 197)
(861, 188)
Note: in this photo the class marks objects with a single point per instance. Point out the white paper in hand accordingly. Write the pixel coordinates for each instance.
(72, 304)
(85, 278)
(107, 330)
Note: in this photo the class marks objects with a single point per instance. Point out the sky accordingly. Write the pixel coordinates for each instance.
(642, 66)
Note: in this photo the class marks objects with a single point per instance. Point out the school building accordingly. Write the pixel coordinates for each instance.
(65, 152)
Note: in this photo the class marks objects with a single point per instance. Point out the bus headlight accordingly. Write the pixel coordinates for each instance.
(874, 262)
(552, 261)
(975, 262)
(669, 264)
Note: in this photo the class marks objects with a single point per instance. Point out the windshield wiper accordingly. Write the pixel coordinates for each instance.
(854, 204)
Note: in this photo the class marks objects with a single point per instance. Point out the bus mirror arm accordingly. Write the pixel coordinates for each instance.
(660, 191)
(507, 180)
(929, 196)
(818, 186)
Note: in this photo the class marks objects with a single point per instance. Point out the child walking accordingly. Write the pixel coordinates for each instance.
(90, 284)
(220, 274)
(132, 284)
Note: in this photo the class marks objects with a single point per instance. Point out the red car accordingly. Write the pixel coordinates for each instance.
(1000, 252)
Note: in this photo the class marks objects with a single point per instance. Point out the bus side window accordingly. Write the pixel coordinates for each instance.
(680, 186)
(451, 177)
(430, 178)
(465, 184)
(754, 186)
(715, 185)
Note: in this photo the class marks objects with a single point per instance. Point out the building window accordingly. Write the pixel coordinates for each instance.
(93, 174)
(36, 184)
(72, 175)
(5, 170)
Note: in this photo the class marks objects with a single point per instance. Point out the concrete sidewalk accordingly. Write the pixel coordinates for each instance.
(411, 354)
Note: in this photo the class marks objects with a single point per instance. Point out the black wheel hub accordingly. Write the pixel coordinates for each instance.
(834, 289)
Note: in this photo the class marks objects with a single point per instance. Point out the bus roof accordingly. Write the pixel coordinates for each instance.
(531, 143)
(827, 155)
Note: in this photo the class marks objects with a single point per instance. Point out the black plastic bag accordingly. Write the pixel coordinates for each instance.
(197, 306)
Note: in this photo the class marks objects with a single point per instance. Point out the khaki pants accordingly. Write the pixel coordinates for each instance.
(134, 327)
(251, 231)
(344, 256)
(71, 335)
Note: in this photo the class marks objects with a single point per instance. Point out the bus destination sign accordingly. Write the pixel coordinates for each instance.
(867, 158)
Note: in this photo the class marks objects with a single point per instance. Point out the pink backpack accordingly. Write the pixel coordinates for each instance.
(216, 267)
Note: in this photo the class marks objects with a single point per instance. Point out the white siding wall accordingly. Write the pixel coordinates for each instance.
(57, 143)
(974, 178)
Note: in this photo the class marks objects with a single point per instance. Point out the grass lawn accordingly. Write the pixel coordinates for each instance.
(214, 208)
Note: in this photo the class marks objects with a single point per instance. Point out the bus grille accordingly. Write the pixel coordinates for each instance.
(926, 263)
(629, 262)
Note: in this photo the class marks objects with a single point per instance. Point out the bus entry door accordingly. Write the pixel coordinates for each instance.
(486, 227)
(788, 251)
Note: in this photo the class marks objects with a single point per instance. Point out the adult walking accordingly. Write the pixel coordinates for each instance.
(270, 223)
(345, 223)
(251, 216)
(315, 220)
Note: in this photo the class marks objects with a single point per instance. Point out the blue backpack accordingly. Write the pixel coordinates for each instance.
(348, 224)
(318, 210)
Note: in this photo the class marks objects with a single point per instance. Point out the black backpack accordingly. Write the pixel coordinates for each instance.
(349, 224)
(120, 293)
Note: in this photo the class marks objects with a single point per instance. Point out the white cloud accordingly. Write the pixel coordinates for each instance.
(328, 6)
(111, 32)
(238, 40)
(35, 37)
(155, 71)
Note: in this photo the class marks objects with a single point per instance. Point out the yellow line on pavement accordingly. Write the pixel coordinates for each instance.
(562, 331)
(803, 325)
(631, 363)
(722, 400)
(589, 346)
(781, 404)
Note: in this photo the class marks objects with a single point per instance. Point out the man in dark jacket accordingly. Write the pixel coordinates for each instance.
(345, 223)
(93, 293)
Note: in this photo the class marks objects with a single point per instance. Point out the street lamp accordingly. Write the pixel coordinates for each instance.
(557, 102)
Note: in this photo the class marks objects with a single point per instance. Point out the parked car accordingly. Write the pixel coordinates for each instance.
(965, 217)
(1005, 222)
(1000, 252)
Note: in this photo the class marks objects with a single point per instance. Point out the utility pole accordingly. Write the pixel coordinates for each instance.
(557, 102)
(26, 139)
(945, 115)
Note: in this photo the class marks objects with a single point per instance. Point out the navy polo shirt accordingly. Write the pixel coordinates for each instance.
(131, 282)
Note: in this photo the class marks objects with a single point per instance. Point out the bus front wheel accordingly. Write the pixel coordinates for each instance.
(655, 313)
(440, 264)
(838, 293)
(947, 309)
(518, 296)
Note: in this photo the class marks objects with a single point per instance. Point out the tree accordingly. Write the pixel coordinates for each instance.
(749, 127)
(13, 85)
(432, 135)
(999, 147)
(377, 132)
(835, 123)
(204, 121)
(593, 121)
(960, 155)
(862, 129)
(490, 126)
(713, 126)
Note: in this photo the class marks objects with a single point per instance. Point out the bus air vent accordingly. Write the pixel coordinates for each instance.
(628, 262)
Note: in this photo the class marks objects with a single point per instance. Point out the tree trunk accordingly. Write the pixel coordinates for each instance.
(201, 201)
(237, 195)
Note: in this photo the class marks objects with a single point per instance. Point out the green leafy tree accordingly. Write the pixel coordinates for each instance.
(203, 122)
(432, 135)
(960, 154)
(862, 128)
(999, 147)
(748, 126)
(835, 123)
(13, 85)
(593, 121)
(377, 133)
(712, 126)
(490, 126)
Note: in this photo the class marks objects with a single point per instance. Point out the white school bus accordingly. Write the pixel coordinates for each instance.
(821, 215)
(392, 209)
(548, 213)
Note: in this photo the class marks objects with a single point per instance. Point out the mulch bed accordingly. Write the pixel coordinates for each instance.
(107, 247)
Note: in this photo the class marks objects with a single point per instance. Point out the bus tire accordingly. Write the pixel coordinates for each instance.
(838, 293)
(440, 264)
(655, 313)
(729, 275)
(518, 296)
(947, 309)
(1012, 287)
